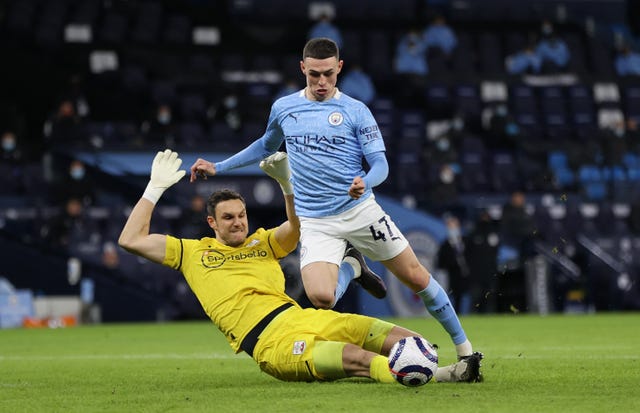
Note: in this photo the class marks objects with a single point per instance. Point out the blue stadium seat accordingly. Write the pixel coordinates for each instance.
(592, 182)
(558, 163)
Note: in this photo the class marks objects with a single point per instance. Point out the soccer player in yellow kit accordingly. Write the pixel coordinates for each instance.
(238, 280)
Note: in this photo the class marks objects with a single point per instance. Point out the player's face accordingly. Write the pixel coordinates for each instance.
(230, 223)
(322, 76)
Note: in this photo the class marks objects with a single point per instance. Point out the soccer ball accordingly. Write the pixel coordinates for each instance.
(413, 361)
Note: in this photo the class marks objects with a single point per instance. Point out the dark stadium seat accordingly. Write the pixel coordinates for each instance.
(490, 54)
(177, 30)
(504, 172)
(632, 101)
(134, 79)
(147, 25)
(163, 91)
(113, 30)
(192, 106)
(474, 171)
(439, 100)
(202, 64)
(87, 12)
(467, 101)
(464, 58)
(352, 48)
(582, 110)
(378, 53)
(578, 62)
(191, 135)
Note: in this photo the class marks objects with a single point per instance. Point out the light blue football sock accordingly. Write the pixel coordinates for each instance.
(439, 306)
(346, 273)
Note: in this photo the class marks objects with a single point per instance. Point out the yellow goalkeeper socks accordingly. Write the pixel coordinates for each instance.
(379, 370)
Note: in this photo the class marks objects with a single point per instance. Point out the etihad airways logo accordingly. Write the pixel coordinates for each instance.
(215, 258)
(315, 142)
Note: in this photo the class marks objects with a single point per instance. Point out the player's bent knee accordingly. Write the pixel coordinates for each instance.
(378, 333)
(322, 301)
(327, 360)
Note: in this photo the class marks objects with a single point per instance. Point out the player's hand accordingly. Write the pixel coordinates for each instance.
(202, 168)
(356, 190)
(165, 171)
(277, 167)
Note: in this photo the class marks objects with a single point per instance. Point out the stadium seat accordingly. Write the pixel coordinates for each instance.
(439, 101)
(191, 135)
(202, 64)
(463, 61)
(593, 184)
(378, 54)
(147, 23)
(87, 12)
(474, 174)
(557, 162)
(490, 54)
(523, 100)
(578, 62)
(588, 213)
(113, 30)
(134, 79)
(177, 30)
(632, 101)
(467, 101)
(163, 91)
(192, 107)
(504, 173)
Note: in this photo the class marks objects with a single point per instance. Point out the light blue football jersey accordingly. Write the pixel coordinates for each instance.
(326, 143)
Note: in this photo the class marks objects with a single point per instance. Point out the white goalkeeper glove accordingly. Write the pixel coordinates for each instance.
(164, 173)
(277, 167)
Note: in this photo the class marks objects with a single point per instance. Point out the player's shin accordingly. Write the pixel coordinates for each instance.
(439, 306)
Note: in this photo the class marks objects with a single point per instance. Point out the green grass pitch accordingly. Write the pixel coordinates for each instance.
(570, 363)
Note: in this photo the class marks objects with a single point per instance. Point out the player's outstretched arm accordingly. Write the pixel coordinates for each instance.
(135, 237)
(277, 167)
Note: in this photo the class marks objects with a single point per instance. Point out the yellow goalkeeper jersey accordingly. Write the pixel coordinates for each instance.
(236, 286)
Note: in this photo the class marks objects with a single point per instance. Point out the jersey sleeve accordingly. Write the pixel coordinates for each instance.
(277, 249)
(368, 132)
(259, 149)
(174, 251)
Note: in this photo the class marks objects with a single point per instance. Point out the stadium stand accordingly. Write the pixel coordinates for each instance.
(219, 64)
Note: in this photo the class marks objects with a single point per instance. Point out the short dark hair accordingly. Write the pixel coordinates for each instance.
(320, 48)
(220, 196)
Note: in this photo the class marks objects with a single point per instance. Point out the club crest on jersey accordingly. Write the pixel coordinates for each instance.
(336, 118)
(299, 346)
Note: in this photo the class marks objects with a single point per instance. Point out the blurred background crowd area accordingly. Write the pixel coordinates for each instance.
(517, 119)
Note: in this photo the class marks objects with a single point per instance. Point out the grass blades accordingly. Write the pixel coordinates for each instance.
(559, 363)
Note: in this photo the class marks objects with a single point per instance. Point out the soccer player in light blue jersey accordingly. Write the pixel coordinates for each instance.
(327, 134)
